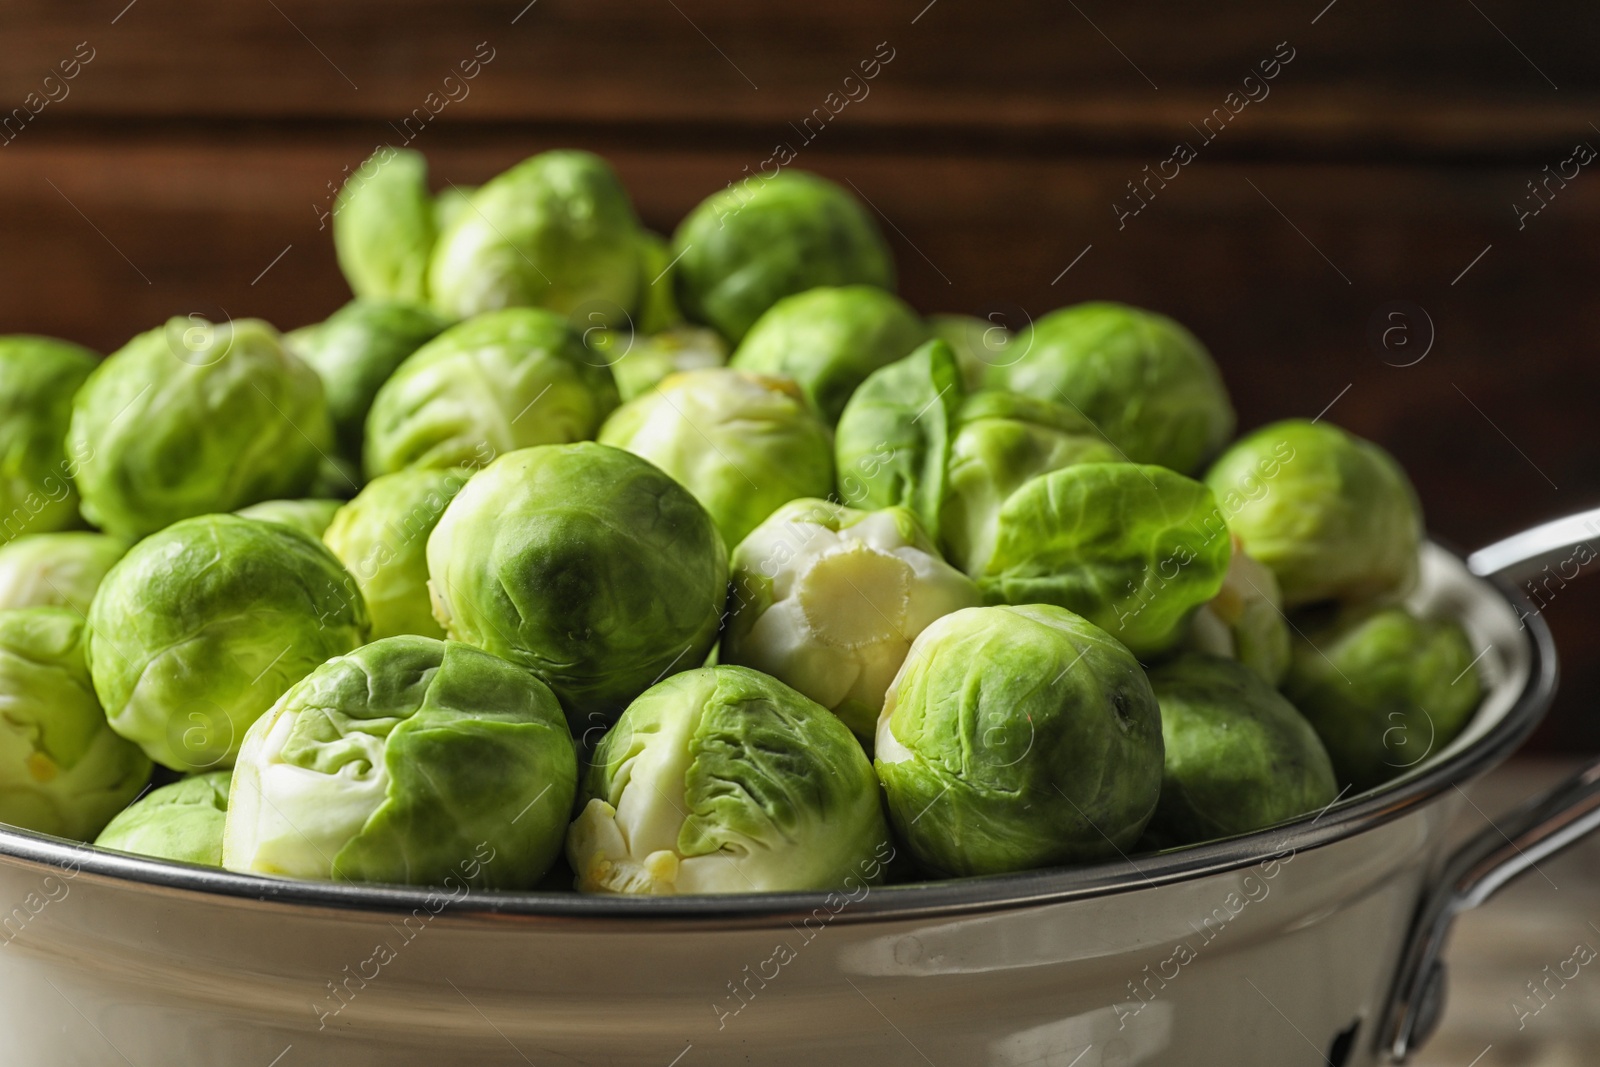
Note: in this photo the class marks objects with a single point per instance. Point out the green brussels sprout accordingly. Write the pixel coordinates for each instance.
(193, 418)
(202, 626)
(494, 384)
(747, 247)
(828, 600)
(978, 344)
(892, 444)
(62, 769)
(38, 378)
(640, 363)
(556, 231)
(355, 350)
(658, 304)
(450, 204)
(772, 794)
(310, 517)
(1146, 382)
(411, 761)
(56, 569)
(1245, 620)
(1134, 549)
(384, 227)
(1384, 690)
(1239, 757)
(585, 564)
(1333, 516)
(829, 340)
(182, 821)
(381, 537)
(1001, 441)
(1018, 737)
(741, 443)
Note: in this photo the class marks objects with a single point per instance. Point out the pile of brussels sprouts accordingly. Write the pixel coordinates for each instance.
(567, 555)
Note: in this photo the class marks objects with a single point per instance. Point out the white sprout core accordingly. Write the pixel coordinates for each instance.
(846, 606)
(1247, 584)
(632, 847)
(293, 821)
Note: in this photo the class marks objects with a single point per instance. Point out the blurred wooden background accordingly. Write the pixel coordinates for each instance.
(184, 166)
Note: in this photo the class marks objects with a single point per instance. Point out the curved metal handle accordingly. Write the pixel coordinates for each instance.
(1526, 553)
(1536, 830)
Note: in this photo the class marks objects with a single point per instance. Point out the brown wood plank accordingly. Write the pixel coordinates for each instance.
(1367, 77)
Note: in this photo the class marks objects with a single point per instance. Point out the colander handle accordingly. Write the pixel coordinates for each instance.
(1534, 831)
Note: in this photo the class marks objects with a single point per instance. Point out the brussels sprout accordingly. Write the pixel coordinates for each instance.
(978, 344)
(62, 770)
(355, 350)
(741, 443)
(1134, 549)
(1145, 381)
(892, 444)
(1384, 690)
(38, 377)
(828, 599)
(829, 340)
(450, 204)
(1333, 516)
(409, 760)
(752, 244)
(723, 780)
(641, 363)
(585, 564)
(381, 537)
(193, 418)
(56, 569)
(182, 821)
(1018, 737)
(1245, 620)
(495, 384)
(310, 517)
(1239, 757)
(556, 231)
(384, 227)
(1001, 441)
(658, 306)
(202, 626)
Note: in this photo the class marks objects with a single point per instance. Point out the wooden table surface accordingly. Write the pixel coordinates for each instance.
(1548, 917)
